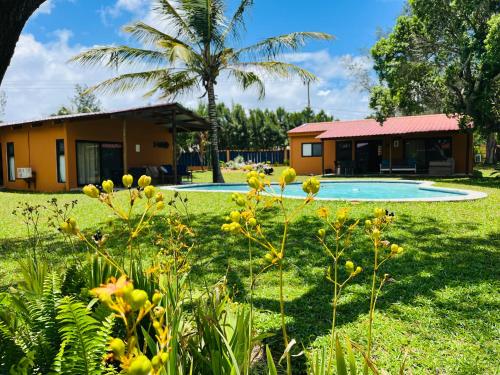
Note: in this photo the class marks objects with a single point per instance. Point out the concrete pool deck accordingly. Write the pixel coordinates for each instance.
(456, 195)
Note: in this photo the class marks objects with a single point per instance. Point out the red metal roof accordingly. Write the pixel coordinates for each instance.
(370, 127)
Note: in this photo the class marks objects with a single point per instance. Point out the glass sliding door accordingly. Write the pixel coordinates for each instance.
(98, 161)
(88, 158)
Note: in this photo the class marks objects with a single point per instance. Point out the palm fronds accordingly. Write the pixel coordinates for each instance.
(237, 21)
(247, 79)
(271, 48)
(113, 57)
(276, 69)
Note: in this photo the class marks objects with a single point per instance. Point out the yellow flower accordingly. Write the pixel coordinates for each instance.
(160, 205)
(120, 287)
(400, 250)
(311, 185)
(144, 181)
(379, 212)
(368, 223)
(159, 197)
(140, 366)
(91, 191)
(254, 183)
(127, 180)
(376, 234)
(289, 175)
(137, 299)
(323, 212)
(394, 248)
(358, 270)
(252, 222)
(117, 346)
(342, 214)
(108, 186)
(349, 266)
(321, 233)
(235, 216)
(149, 191)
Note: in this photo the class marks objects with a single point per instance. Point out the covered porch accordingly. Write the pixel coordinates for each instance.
(422, 154)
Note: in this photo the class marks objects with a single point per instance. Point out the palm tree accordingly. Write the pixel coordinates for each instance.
(193, 53)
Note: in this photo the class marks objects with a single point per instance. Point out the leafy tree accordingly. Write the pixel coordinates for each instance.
(13, 16)
(255, 129)
(82, 102)
(199, 45)
(442, 56)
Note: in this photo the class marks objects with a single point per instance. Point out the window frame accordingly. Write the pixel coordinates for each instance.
(10, 152)
(312, 149)
(60, 152)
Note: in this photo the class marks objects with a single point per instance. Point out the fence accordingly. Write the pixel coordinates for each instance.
(192, 159)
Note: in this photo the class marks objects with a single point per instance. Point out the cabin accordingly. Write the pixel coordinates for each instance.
(62, 153)
(416, 145)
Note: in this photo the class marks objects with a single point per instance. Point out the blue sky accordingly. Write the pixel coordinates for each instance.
(40, 77)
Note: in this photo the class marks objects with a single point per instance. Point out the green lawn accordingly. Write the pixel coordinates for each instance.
(443, 310)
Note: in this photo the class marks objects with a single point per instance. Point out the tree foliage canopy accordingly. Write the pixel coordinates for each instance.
(254, 129)
(442, 56)
(83, 101)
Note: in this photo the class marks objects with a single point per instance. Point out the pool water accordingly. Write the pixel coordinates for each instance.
(356, 190)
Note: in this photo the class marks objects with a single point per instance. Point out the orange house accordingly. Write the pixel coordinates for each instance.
(427, 144)
(61, 153)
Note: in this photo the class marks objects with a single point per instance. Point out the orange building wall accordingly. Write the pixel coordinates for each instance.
(144, 134)
(304, 165)
(35, 148)
(308, 165)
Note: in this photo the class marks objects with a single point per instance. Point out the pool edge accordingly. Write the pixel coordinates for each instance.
(461, 194)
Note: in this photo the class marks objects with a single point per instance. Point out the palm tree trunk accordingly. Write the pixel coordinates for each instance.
(214, 136)
(13, 16)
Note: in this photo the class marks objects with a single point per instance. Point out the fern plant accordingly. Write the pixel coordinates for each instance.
(29, 328)
(84, 339)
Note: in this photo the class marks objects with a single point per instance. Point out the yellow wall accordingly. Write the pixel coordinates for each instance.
(312, 165)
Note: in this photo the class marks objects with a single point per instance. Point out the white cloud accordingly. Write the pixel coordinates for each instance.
(45, 8)
(39, 81)
(135, 7)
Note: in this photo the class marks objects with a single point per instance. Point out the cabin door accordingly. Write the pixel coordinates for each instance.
(368, 156)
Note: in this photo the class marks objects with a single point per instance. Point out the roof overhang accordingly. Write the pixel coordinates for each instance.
(160, 114)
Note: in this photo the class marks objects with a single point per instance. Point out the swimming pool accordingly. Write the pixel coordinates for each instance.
(355, 190)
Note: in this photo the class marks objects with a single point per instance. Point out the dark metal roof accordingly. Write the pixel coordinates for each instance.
(161, 114)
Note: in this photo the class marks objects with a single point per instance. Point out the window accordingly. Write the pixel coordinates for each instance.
(61, 161)
(11, 165)
(312, 149)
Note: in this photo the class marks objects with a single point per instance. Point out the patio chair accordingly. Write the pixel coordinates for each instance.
(183, 171)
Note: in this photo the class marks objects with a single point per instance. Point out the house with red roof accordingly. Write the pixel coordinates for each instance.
(425, 144)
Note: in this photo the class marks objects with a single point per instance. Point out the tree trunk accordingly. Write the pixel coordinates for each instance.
(491, 148)
(214, 136)
(13, 16)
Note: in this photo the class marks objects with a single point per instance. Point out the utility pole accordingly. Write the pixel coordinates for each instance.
(309, 94)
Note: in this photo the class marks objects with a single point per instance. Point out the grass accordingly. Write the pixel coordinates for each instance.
(443, 310)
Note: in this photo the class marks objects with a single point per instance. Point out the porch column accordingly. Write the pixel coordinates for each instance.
(124, 147)
(390, 154)
(174, 147)
(322, 157)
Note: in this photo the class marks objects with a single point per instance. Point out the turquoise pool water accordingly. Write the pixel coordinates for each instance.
(354, 190)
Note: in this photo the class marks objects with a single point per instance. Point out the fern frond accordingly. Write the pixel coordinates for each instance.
(82, 346)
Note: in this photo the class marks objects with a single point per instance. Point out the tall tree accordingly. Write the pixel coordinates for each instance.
(83, 101)
(442, 56)
(13, 16)
(199, 44)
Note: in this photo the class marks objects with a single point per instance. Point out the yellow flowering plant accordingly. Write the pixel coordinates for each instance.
(154, 204)
(245, 221)
(342, 230)
(383, 251)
